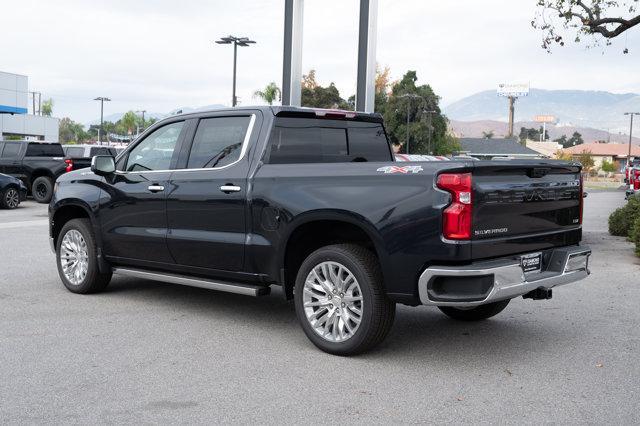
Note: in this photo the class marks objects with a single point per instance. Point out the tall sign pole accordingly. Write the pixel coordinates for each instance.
(292, 55)
(366, 83)
(513, 92)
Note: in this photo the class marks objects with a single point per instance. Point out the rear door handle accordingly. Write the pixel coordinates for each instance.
(230, 188)
(155, 188)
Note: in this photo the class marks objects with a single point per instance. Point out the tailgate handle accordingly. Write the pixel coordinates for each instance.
(538, 172)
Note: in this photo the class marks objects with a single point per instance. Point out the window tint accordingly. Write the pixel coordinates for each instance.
(323, 141)
(11, 150)
(74, 151)
(44, 150)
(155, 151)
(218, 142)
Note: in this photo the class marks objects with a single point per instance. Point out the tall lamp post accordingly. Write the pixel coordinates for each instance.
(408, 97)
(631, 114)
(102, 100)
(142, 111)
(236, 41)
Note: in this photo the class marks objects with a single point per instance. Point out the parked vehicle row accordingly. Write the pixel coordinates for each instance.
(313, 201)
(79, 156)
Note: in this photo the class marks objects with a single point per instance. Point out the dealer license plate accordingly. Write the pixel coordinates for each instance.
(531, 262)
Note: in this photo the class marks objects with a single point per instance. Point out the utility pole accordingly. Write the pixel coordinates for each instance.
(512, 101)
(236, 41)
(430, 133)
(142, 111)
(408, 97)
(102, 100)
(631, 114)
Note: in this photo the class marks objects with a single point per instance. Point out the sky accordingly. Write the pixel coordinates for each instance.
(159, 55)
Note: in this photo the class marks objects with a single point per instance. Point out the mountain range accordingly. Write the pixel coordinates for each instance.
(572, 108)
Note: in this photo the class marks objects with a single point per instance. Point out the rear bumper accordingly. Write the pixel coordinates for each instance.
(499, 279)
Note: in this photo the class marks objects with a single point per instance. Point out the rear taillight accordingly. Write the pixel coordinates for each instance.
(69, 163)
(456, 218)
(581, 197)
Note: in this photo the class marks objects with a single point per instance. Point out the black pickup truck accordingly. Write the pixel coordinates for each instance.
(312, 201)
(36, 164)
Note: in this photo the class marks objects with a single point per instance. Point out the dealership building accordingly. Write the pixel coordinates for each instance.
(15, 120)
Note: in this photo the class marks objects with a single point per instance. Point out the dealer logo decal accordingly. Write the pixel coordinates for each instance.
(400, 169)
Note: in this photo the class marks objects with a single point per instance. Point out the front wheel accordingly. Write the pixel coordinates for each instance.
(42, 189)
(76, 256)
(477, 313)
(9, 198)
(340, 301)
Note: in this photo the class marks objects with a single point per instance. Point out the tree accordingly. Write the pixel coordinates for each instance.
(47, 107)
(127, 124)
(586, 160)
(562, 140)
(71, 132)
(316, 96)
(598, 19)
(427, 125)
(488, 134)
(383, 81)
(562, 155)
(532, 134)
(608, 166)
(575, 139)
(270, 93)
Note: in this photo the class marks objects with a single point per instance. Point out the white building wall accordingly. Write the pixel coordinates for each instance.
(14, 91)
(30, 125)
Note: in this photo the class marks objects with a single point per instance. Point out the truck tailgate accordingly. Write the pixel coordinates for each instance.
(523, 206)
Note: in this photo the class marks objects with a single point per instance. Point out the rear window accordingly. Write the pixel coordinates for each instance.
(296, 140)
(75, 152)
(11, 150)
(102, 150)
(44, 150)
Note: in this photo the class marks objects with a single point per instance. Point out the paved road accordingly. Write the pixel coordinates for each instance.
(157, 353)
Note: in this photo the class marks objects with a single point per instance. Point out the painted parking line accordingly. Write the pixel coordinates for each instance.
(24, 223)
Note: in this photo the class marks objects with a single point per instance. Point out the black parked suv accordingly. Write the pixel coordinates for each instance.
(313, 201)
(37, 164)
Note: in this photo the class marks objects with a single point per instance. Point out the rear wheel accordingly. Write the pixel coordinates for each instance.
(477, 313)
(9, 198)
(42, 189)
(76, 257)
(340, 302)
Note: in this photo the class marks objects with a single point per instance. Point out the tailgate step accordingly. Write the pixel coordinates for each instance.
(227, 286)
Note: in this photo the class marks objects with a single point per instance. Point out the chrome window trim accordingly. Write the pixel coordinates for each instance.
(243, 151)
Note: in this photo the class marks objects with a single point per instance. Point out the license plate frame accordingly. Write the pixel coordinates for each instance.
(531, 263)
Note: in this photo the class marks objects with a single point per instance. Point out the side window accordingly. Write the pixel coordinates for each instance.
(11, 150)
(155, 151)
(304, 141)
(218, 142)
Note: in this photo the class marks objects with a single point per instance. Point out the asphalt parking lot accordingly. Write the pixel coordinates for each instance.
(148, 352)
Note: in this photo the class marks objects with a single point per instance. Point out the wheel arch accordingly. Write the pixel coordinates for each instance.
(39, 173)
(313, 230)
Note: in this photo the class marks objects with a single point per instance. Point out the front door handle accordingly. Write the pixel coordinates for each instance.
(230, 188)
(155, 188)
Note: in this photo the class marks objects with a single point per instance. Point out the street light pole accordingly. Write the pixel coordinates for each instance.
(102, 100)
(631, 114)
(408, 97)
(236, 41)
(142, 111)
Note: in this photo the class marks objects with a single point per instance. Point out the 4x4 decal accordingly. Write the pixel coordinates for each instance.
(400, 169)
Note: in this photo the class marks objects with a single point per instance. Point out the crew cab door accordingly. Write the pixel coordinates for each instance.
(133, 208)
(207, 202)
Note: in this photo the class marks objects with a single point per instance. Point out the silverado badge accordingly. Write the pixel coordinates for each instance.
(398, 169)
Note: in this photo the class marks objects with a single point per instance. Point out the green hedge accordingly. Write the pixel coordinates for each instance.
(625, 222)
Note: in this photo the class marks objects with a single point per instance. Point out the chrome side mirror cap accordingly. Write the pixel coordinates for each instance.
(103, 165)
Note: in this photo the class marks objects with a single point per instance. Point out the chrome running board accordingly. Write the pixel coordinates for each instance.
(229, 287)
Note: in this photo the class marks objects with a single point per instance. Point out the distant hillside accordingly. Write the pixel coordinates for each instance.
(474, 129)
(580, 108)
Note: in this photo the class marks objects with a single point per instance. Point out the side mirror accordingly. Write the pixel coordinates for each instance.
(103, 165)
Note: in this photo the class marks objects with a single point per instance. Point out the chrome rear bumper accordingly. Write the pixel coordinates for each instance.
(505, 277)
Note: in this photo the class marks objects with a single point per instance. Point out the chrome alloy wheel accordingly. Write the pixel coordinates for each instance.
(74, 257)
(332, 301)
(12, 198)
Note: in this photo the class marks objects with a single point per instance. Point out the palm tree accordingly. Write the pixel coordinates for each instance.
(269, 94)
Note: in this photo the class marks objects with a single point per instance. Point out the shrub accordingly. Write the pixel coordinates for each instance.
(608, 167)
(622, 219)
(634, 234)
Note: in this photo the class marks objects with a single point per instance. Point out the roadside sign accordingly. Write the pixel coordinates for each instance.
(513, 89)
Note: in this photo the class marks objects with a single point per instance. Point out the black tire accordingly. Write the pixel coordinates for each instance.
(94, 281)
(478, 313)
(9, 198)
(42, 189)
(378, 312)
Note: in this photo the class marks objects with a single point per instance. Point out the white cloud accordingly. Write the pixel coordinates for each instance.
(158, 55)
